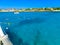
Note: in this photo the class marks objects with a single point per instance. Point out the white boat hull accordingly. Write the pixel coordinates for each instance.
(4, 38)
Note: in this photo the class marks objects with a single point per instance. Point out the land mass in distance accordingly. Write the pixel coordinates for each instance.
(29, 9)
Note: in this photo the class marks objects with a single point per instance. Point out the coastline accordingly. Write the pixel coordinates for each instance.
(30, 10)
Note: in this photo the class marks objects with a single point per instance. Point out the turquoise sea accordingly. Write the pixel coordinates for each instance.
(32, 28)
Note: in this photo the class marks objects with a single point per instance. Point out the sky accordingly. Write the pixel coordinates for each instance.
(29, 3)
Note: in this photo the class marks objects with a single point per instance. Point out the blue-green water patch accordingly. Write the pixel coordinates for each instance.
(32, 28)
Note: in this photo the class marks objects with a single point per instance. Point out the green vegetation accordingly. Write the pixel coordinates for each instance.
(30, 9)
(56, 8)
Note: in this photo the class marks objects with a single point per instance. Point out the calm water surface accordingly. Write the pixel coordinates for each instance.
(32, 28)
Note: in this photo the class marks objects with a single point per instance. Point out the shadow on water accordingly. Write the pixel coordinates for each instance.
(30, 21)
(19, 41)
(38, 40)
(25, 43)
(14, 38)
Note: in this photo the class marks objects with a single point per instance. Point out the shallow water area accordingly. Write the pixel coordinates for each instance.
(32, 28)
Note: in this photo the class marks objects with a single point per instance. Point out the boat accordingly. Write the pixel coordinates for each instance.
(16, 12)
(4, 38)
